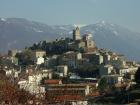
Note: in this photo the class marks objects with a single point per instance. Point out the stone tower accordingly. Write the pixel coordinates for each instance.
(76, 34)
(90, 45)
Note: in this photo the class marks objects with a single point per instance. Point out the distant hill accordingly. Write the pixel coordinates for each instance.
(19, 32)
(116, 38)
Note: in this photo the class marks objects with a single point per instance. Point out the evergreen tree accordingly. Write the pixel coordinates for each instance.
(103, 85)
(137, 76)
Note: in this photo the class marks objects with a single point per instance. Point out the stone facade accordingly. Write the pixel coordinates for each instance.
(37, 54)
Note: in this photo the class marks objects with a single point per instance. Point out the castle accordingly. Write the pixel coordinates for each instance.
(84, 43)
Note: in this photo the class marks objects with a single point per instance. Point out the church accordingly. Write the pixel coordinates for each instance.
(84, 43)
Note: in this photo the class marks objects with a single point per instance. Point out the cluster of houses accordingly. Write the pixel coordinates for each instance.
(56, 83)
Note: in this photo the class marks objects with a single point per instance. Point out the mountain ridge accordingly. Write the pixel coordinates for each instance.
(19, 33)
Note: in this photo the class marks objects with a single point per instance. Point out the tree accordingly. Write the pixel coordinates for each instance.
(103, 85)
(44, 45)
(137, 76)
(10, 94)
(25, 57)
(87, 71)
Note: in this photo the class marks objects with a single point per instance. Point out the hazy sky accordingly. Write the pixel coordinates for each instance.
(122, 12)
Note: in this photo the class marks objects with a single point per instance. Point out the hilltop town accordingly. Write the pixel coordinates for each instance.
(69, 71)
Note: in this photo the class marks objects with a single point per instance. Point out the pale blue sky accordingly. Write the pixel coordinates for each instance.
(122, 12)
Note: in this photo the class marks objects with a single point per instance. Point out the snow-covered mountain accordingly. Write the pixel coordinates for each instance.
(116, 38)
(19, 32)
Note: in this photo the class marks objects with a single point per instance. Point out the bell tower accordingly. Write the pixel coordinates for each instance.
(76, 34)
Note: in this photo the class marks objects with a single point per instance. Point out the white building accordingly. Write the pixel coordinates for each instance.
(37, 54)
(132, 70)
(8, 72)
(32, 84)
(129, 70)
(40, 60)
(37, 77)
(33, 88)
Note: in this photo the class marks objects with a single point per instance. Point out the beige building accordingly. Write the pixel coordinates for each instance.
(68, 89)
(85, 44)
(94, 58)
(37, 56)
(78, 44)
(38, 53)
(73, 55)
(87, 38)
(70, 59)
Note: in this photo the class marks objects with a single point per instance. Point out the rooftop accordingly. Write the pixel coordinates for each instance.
(52, 81)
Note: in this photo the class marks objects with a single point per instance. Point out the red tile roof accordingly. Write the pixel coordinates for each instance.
(94, 94)
(68, 98)
(52, 81)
